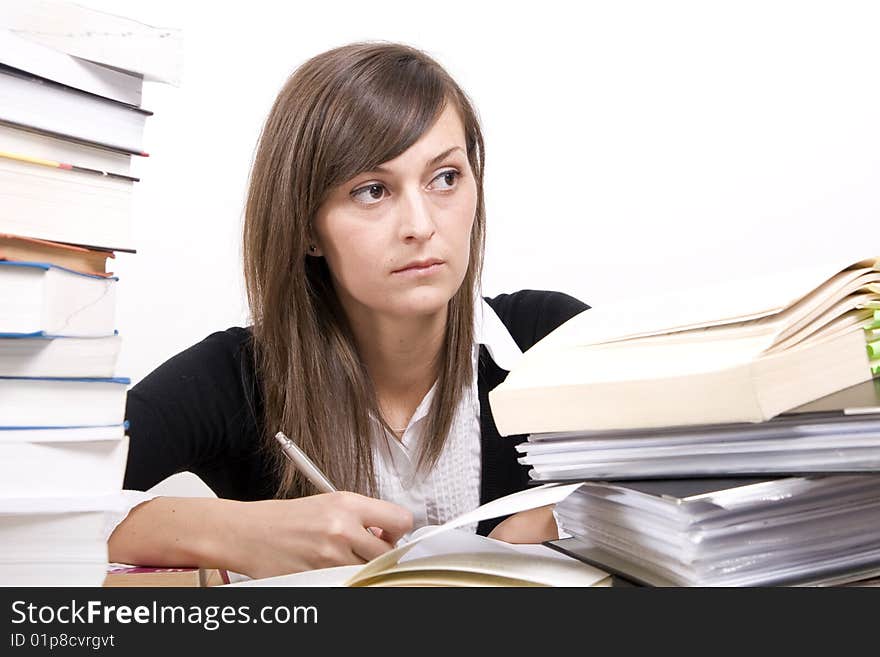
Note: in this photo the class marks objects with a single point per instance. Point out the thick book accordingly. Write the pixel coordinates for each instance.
(733, 532)
(156, 53)
(39, 298)
(447, 555)
(66, 256)
(55, 541)
(57, 402)
(52, 64)
(742, 351)
(69, 460)
(52, 146)
(59, 356)
(30, 100)
(835, 434)
(65, 204)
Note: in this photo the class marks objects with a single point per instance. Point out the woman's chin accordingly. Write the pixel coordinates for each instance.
(423, 302)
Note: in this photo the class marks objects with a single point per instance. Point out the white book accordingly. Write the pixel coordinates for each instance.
(61, 402)
(123, 43)
(63, 461)
(44, 299)
(31, 572)
(33, 143)
(694, 357)
(54, 541)
(52, 64)
(59, 356)
(66, 206)
(31, 101)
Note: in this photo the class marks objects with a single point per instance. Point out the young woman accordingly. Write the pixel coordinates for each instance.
(371, 347)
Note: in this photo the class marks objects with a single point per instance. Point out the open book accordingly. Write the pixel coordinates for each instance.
(743, 351)
(447, 556)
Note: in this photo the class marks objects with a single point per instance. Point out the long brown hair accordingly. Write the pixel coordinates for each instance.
(342, 112)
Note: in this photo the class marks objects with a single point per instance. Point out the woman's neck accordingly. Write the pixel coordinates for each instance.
(401, 355)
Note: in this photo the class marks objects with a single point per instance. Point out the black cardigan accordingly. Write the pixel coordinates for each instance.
(200, 411)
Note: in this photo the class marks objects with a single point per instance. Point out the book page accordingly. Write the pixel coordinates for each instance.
(329, 577)
(637, 360)
(520, 501)
(445, 544)
(696, 307)
(837, 295)
(505, 567)
(832, 323)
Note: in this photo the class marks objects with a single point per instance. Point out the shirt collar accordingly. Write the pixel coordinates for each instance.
(491, 332)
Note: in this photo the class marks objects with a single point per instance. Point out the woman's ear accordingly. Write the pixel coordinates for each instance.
(314, 249)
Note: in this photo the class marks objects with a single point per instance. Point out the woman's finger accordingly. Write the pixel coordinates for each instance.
(368, 546)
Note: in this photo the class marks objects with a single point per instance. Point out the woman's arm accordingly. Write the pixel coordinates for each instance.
(195, 413)
(258, 539)
(532, 526)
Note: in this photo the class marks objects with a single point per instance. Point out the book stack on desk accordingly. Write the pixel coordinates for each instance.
(68, 130)
(655, 400)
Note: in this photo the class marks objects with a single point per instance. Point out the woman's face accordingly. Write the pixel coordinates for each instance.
(377, 228)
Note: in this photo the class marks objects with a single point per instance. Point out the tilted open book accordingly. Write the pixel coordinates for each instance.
(743, 351)
(446, 556)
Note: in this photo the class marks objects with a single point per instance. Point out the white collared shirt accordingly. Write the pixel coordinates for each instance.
(452, 486)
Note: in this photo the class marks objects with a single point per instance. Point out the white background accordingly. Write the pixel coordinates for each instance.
(630, 146)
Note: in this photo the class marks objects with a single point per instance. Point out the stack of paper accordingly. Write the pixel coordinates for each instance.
(843, 438)
(813, 530)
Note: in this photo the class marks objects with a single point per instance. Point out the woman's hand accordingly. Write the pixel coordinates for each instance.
(532, 526)
(258, 539)
(275, 537)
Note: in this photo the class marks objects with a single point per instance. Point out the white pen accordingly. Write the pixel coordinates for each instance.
(304, 464)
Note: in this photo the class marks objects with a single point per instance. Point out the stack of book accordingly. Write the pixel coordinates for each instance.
(755, 381)
(68, 130)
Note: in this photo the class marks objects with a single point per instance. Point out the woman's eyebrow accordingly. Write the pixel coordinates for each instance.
(430, 163)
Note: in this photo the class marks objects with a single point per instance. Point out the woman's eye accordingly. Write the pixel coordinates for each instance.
(446, 180)
(375, 192)
(369, 194)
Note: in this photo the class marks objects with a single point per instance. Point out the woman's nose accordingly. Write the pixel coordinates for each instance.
(416, 220)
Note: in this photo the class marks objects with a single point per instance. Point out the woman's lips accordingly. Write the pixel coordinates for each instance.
(429, 270)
